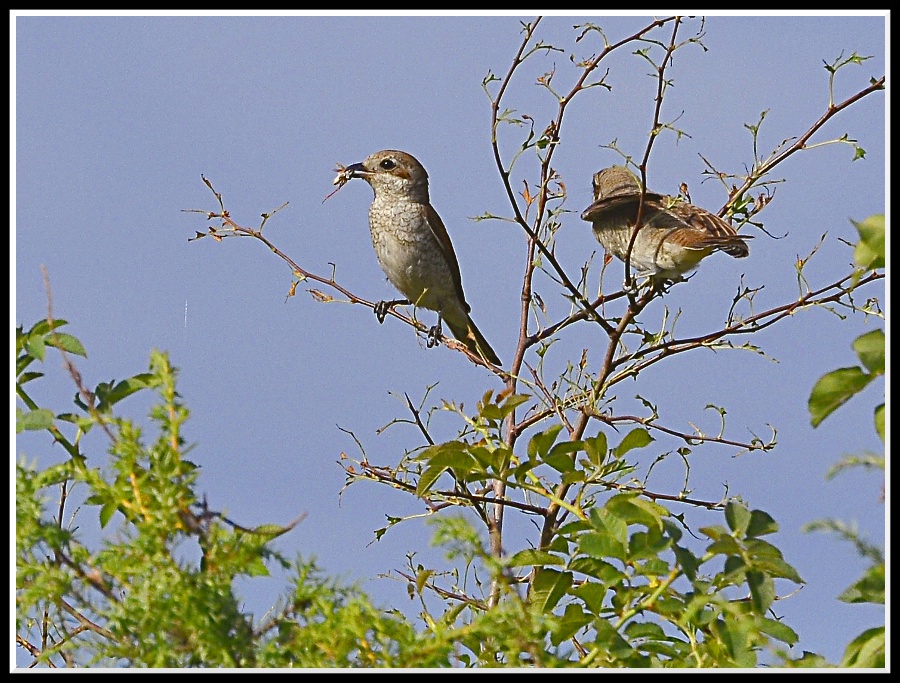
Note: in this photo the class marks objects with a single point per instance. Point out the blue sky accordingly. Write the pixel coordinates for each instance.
(117, 117)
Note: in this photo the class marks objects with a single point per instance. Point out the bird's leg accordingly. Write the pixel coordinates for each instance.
(382, 307)
(434, 334)
(664, 285)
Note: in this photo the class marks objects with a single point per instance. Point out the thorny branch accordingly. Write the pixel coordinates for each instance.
(636, 305)
(761, 170)
(533, 239)
(229, 228)
(831, 293)
(654, 131)
(534, 220)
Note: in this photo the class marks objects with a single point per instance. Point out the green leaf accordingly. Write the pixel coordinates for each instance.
(609, 640)
(724, 545)
(42, 327)
(634, 510)
(35, 347)
(735, 569)
(869, 251)
(573, 477)
(450, 454)
(598, 569)
(107, 511)
(528, 557)
(440, 458)
(487, 458)
(593, 594)
(596, 449)
(870, 349)
(256, 566)
(540, 443)
(866, 650)
(66, 342)
(808, 660)
(608, 523)
(762, 591)
(835, 389)
(654, 511)
(761, 523)
(120, 390)
(601, 546)
(549, 586)
(33, 420)
(687, 561)
(645, 629)
(765, 557)
(779, 631)
(272, 530)
(565, 448)
(715, 532)
(427, 479)
(26, 377)
(879, 421)
(870, 588)
(738, 517)
(636, 438)
(422, 576)
(735, 635)
(512, 402)
(522, 470)
(572, 621)
(561, 462)
(653, 567)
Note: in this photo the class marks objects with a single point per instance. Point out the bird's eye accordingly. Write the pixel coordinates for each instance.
(388, 164)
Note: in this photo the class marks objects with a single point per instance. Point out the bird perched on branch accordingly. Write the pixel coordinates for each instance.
(674, 235)
(413, 247)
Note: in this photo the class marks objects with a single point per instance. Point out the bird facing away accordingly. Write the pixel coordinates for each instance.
(674, 236)
(413, 247)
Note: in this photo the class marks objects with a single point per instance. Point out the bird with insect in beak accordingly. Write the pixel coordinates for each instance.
(413, 247)
(674, 235)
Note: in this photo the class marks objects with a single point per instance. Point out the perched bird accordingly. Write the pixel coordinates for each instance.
(674, 235)
(413, 247)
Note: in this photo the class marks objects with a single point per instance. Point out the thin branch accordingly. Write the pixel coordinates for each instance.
(746, 326)
(764, 168)
(675, 498)
(377, 474)
(751, 324)
(33, 650)
(444, 593)
(654, 131)
(690, 439)
(418, 420)
(230, 228)
(85, 622)
(581, 314)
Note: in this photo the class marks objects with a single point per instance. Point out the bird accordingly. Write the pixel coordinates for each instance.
(413, 247)
(674, 235)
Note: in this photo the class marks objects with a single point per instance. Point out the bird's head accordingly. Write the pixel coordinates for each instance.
(391, 172)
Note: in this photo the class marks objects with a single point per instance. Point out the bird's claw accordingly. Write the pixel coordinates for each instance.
(381, 310)
(434, 336)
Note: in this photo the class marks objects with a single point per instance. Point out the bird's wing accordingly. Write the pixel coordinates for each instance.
(620, 207)
(443, 240)
(708, 229)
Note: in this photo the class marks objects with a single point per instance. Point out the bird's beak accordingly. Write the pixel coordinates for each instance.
(356, 171)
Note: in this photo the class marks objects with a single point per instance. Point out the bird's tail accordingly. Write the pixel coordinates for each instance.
(471, 336)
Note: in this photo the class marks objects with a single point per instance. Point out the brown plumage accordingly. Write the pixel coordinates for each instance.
(674, 236)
